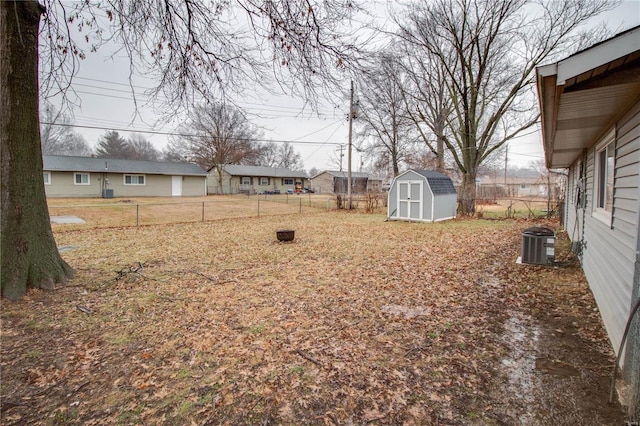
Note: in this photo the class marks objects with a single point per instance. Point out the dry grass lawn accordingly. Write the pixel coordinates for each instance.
(358, 321)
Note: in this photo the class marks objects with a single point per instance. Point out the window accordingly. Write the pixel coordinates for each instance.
(604, 170)
(134, 179)
(245, 180)
(580, 184)
(287, 181)
(605, 177)
(47, 178)
(524, 186)
(264, 181)
(81, 179)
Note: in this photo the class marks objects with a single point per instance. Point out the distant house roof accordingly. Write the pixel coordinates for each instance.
(337, 173)
(511, 180)
(261, 171)
(92, 164)
(439, 183)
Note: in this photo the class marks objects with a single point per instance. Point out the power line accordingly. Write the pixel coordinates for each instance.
(253, 105)
(326, 141)
(267, 114)
(155, 132)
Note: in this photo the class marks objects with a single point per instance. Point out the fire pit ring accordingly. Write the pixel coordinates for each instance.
(285, 234)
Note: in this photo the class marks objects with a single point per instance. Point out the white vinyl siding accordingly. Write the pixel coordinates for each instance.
(609, 253)
(81, 179)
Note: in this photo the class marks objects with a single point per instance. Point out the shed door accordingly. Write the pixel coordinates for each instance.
(410, 200)
(176, 186)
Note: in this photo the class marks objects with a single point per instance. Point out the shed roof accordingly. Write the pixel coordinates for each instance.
(63, 163)
(262, 171)
(439, 183)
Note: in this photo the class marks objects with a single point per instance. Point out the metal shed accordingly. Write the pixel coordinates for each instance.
(423, 196)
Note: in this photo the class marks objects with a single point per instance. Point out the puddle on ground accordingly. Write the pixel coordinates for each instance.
(519, 367)
(551, 378)
(557, 368)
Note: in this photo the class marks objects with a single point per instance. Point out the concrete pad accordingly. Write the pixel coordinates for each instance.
(64, 249)
(66, 219)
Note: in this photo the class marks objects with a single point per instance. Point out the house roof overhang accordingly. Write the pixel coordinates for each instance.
(582, 96)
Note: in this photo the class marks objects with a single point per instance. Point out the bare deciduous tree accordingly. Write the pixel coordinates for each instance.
(288, 158)
(426, 99)
(385, 129)
(142, 149)
(58, 137)
(488, 51)
(197, 49)
(267, 154)
(218, 134)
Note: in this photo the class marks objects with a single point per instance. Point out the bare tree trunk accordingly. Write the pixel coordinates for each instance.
(219, 170)
(467, 197)
(30, 257)
(394, 160)
(440, 156)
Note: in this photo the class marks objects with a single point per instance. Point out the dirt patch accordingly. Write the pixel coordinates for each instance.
(360, 322)
(554, 376)
(557, 368)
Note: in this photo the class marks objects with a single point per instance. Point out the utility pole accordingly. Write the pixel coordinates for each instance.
(351, 113)
(506, 165)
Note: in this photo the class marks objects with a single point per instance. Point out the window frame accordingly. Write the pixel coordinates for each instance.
(138, 176)
(245, 182)
(75, 179)
(604, 166)
(46, 176)
(264, 181)
(288, 181)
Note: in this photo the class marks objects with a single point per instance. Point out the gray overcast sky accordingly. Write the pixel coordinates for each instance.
(103, 88)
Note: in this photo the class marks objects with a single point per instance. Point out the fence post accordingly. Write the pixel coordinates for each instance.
(300, 205)
(137, 214)
(203, 211)
(258, 208)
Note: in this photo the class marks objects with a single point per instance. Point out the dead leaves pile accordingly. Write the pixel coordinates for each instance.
(357, 321)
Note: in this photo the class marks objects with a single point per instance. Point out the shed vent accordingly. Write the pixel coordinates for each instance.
(538, 246)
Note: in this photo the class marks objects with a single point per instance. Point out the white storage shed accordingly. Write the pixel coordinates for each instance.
(422, 196)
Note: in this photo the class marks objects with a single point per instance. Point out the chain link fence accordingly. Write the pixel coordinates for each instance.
(73, 214)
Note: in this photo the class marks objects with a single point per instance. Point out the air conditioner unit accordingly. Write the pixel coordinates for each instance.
(538, 246)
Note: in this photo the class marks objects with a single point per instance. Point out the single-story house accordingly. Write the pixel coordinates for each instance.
(66, 176)
(237, 179)
(422, 196)
(590, 112)
(335, 182)
(515, 186)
